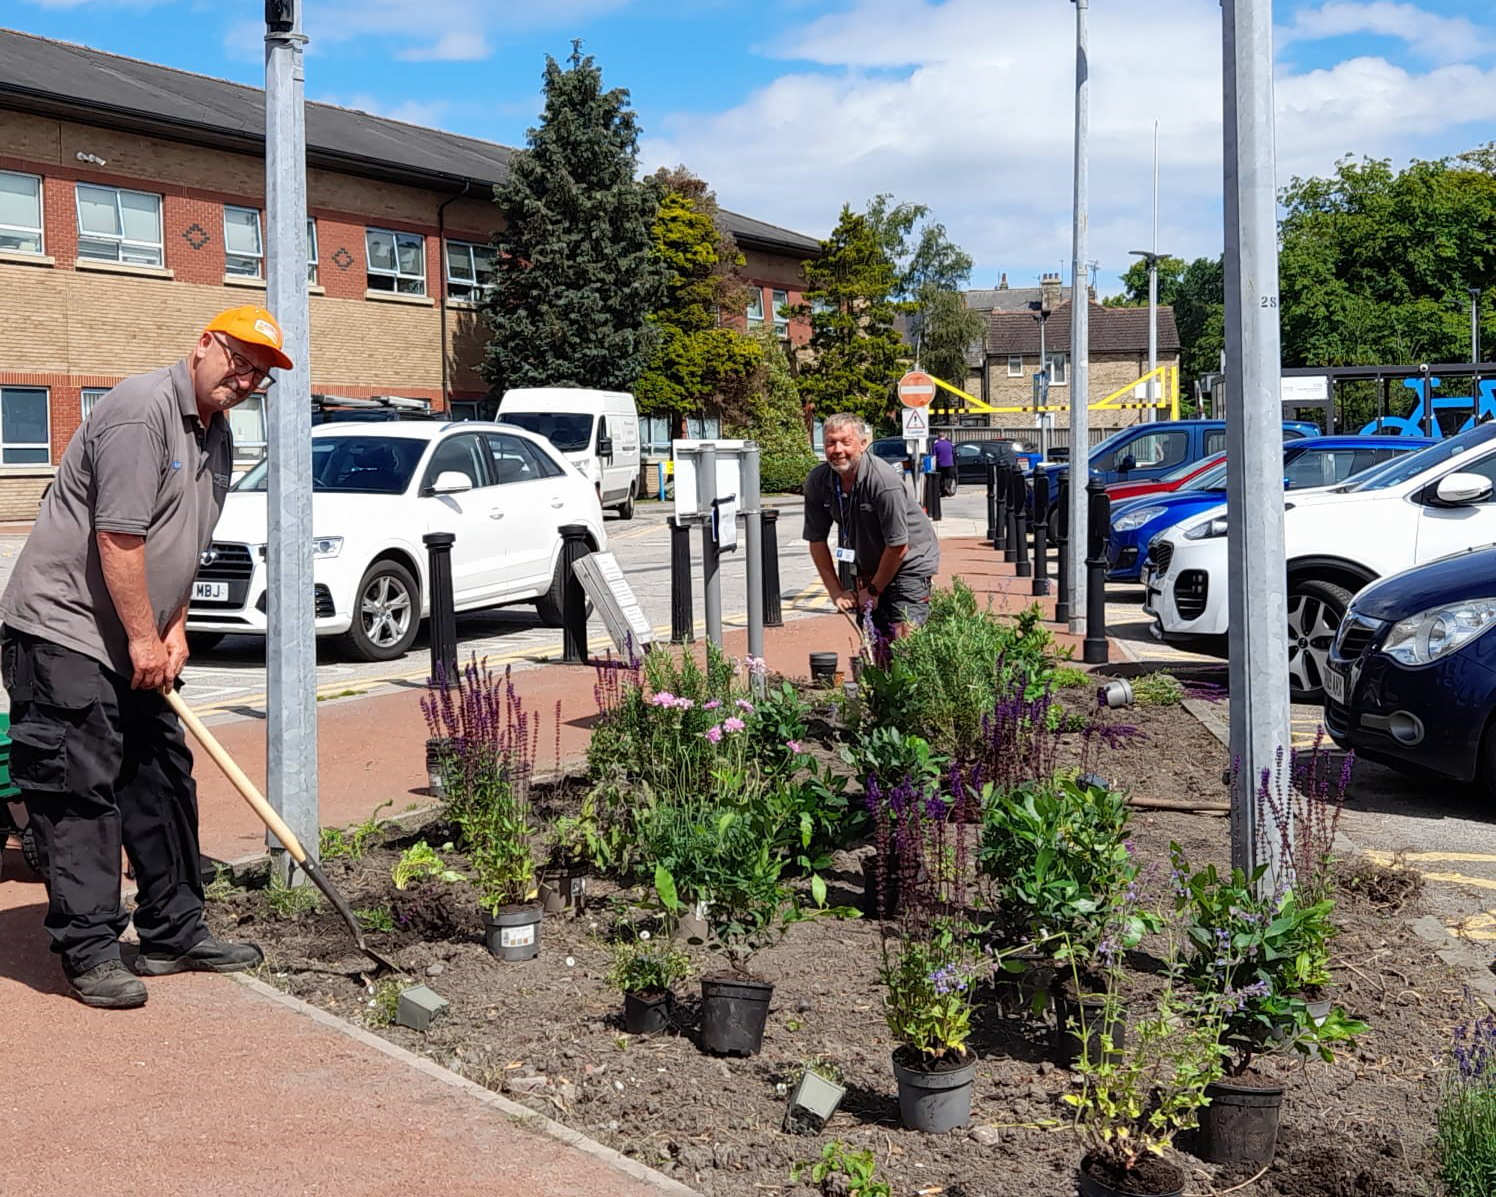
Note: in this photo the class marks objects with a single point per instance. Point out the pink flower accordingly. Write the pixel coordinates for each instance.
(733, 725)
(711, 706)
(684, 704)
(744, 705)
(662, 699)
(757, 666)
(714, 734)
(794, 746)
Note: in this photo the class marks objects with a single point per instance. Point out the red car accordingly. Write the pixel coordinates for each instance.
(1118, 491)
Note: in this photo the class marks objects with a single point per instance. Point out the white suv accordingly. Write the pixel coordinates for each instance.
(1409, 510)
(377, 489)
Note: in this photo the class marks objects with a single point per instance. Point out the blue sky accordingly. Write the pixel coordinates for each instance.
(791, 107)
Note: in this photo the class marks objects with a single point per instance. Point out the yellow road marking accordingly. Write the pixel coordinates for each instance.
(1475, 926)
(1379, 857)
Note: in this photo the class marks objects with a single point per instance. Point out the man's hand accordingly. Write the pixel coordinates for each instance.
(847, 602)
(151, 661)
(176, 651)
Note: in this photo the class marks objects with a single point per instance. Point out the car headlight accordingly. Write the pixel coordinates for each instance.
(1209, 530)
(1133, 520)
(1430, 635)
(327, 546)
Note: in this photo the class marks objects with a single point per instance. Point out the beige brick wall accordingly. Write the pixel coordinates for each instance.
(21, 494)
(1106, 374)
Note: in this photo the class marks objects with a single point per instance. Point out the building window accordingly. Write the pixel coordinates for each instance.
(92, 395)
(243, 250)
(24, 426)
(470, 269)
(781, 320)
(756, 308)
(20, 213)
(708, 428)
(1059, 369)
(1015, 365)
(115, 225)
(311, 251)
(247, 423)
(654, 434)
(397, 261)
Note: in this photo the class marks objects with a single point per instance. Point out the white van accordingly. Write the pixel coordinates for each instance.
(598, 431)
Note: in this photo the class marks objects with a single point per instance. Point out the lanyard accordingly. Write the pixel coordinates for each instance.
(845, 534)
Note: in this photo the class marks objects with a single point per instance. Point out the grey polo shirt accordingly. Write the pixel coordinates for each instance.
(878, 512)
(143, 464)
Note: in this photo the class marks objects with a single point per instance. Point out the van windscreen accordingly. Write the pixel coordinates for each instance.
(571, 432)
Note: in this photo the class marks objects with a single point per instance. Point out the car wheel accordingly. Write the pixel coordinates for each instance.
(203, 642)
(1315, 609)
(626, 508)
(386, 613)
(551, 606)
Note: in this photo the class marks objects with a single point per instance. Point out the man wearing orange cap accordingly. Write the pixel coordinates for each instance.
(95, 630)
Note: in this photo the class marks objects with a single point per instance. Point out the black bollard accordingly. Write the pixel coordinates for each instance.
(443, 613)
(932, 497)
(574, 604)
(1099, 517)
(991, 502)
(1000, 510)
(773, 612)
(1041, 533)
(1062, 552)
(1010, 545)
(1018, 504)
(682, 622)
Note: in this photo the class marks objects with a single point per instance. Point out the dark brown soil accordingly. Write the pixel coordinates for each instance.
(549, 1032)
(1150, 1178)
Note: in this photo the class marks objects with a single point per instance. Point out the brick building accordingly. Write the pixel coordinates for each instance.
(131, 210)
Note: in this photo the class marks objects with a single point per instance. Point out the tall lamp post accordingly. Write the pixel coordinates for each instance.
(1151, 256)
(1080, 441)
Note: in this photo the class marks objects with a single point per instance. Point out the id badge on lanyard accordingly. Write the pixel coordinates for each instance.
(844, 552)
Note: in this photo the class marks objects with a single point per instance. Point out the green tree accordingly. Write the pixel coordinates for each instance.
(851, 303)
(948, 329)
(576, 271)
(695, 360)
(774, 416)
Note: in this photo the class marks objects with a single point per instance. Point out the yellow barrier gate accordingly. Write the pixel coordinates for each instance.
(1168, 396)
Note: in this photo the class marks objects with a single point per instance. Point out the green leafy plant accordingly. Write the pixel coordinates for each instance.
(928, 1000)
(375, 918)
(857, 1171)
(1466, 1118)
(644, 964)
(290, 901)
(1157, 690)
(385, 1002)
(334, 842)
(222, 887)
(419, 862)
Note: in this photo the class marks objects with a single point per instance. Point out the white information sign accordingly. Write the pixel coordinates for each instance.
(916, 424)
(1312, 388)
(602, 578)
(725, 523)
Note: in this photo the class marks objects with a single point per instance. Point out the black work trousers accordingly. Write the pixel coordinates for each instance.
(101, 765)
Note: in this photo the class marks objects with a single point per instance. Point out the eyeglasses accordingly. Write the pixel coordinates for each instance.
(242, 367)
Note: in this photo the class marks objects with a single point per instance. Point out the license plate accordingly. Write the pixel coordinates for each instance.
(210, 592)
(1335, 685)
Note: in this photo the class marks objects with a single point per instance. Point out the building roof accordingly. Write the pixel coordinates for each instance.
(1008, 299)
(1112, 330)
(64, 80)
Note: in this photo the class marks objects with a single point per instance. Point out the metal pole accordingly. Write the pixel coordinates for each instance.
(773, 609)
(441, 612)
(1000, 515)
(706, 491)
(1153, 290)
(1080, 440)
(682, 622)
(1258, 614)
(291, 643)
(1428, 402)
(1095, 649)
(1475, 351)
(754, 543)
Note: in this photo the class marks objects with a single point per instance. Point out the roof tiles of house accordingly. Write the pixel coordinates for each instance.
(1112, 330)
(1007, 299)
(61, 79)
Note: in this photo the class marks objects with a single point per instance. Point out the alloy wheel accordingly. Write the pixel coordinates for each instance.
(385, 610)
(1311, 631)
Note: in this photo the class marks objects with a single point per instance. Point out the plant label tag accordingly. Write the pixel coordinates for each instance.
(578, 887)
(517, 937)
(845, 556)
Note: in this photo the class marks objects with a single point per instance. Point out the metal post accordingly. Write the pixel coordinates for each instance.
(1000, 513)
(932, 496)
(1094, 650)
(291, 643)
(1062, 553)
(574, 603)
(991, 501)
(441, 611)
(1019, 503)
(1153, 291)
(1258, 614)
(1041, 533)
(773, 610)
(748, 500)
(1428, 402)
(1080, 440)
(682, 622)
(1015, 487)
(706, 491)
(1475, 351)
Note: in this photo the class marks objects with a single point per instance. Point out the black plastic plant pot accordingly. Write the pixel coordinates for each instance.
(647, 1013)
(1151, 1177)
(513, 934)
(733, 1013)
(1080, 1024)
(1240, 1125)
(435, 749)
(933, 1100)
(823, 668)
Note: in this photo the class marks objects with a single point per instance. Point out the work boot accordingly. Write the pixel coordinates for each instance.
(108, 985)
(208, 955)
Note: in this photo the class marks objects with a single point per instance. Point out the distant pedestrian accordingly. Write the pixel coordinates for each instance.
(945, 464)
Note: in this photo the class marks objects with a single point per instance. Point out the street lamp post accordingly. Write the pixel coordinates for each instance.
(1151, 256)
(1080, 447)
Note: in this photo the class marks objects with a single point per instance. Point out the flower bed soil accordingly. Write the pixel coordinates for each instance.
(549, 1032)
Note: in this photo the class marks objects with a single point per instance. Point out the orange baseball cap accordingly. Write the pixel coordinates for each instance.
(254, 326)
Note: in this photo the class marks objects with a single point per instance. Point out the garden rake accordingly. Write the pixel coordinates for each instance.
(273, 821)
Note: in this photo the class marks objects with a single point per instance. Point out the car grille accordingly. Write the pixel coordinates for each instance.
(321, 597)
(225, 563)
(1190, 593)
(1355, 635)
(1161, 554)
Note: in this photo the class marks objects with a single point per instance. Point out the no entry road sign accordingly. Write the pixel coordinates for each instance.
(916, 389)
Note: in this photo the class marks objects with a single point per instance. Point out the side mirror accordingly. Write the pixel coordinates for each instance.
(605, 446)
(451, 482)
(1461, 490)
(1127, 464)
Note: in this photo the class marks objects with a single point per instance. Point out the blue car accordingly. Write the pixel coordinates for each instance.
(1309, 461)
(1411, 676)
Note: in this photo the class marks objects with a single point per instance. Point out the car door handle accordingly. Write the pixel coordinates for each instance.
(495, 513)
(558, 502)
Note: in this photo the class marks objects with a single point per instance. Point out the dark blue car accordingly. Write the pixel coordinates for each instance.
(1411, 677)
(1310, 461)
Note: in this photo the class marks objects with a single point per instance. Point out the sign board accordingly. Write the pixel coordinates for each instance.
(725, 523)
(916, 389)
(728, 480)
(1041, 388)
(602, 578)
(1312, 388)
(916, 424)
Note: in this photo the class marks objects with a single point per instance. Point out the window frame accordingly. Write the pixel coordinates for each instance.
(119, 239)
(756, 300)
(1058, 364)
(257, 258)
(781, 323)
(1015, 358)
(250, 450)
(6, 445)
(311, 250)
(87, 397)
(40, 230)
(485, 459)
(397, 276)
(473, 290)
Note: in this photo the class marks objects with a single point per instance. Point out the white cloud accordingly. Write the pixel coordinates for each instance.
(967, 106)
(466, 25)
(428, 113)
(1425, 33)
(457, 46)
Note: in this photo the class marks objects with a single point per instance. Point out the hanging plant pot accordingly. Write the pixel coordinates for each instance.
(1151, 1176)
(1080, 1024)
(1240, 1125)
(647, 1013)
(933, 1100)
(435, 750)
(733, 1012)
(812, 1103)
(513, 933)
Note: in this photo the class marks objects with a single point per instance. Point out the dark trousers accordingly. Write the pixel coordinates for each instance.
(99, 766)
